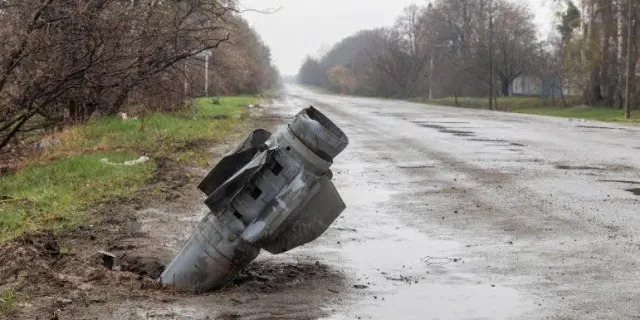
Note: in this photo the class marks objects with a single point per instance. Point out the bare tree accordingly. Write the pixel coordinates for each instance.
(63, 60)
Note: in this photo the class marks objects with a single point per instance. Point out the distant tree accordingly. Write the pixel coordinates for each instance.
(516, 47)
(63, 61)
(343, 80)
(312, 73)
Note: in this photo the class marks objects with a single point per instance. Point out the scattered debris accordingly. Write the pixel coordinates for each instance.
(272, 192)
(125, 117)
(108, 259)
(63, 301)
(438, 260)
(140, 160)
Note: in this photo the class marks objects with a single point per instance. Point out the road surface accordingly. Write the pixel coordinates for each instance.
(451, 214)
(470, 214)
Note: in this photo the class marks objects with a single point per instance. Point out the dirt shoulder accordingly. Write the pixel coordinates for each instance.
(72, 276)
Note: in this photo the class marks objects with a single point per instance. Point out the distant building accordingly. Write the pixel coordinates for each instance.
(527, 85)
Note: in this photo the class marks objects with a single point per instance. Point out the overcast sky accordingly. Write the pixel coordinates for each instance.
(309, 27)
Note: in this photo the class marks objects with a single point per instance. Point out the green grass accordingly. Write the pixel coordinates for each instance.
(55, 190)
(536, 106)
(8, 301)
(56, 196)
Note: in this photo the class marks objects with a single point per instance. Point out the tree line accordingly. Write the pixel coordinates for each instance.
(479, 48)
(63, 62)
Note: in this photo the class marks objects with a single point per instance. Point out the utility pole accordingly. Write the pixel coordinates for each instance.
(627, 98)
(431, 75)
(206, 74)
(186, 79)
(491, 54)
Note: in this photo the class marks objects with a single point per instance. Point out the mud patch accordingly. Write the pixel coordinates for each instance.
(269, 276)
(143, 266)
(635, 191)
(36, 250)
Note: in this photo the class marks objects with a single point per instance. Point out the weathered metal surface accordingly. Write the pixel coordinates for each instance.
(273, 192)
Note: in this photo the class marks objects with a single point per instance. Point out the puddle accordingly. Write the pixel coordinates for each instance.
(403, 275)
(635, 191)
(438, 301)
(566, 167)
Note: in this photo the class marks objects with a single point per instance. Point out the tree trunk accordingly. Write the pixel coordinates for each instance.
(505, 87)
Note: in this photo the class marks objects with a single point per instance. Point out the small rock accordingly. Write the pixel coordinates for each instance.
(360, 286)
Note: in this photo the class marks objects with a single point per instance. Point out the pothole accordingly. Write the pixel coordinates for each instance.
(443, 129)
(448, 122)
(566, 167)
(596, 127)
(635, 191)
(414, 166)
(620, 181)
(460, 133)
(488, 140)
(431, 126)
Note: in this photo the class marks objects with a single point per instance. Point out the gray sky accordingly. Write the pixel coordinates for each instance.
(309, 27)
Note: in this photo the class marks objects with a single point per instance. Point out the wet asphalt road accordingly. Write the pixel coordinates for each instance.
(466, 214)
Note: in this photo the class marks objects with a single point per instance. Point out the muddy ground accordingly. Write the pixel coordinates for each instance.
(452, 214)
(72, 275)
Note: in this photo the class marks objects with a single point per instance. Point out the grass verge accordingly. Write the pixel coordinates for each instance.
(537, 106)
(55, 189)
